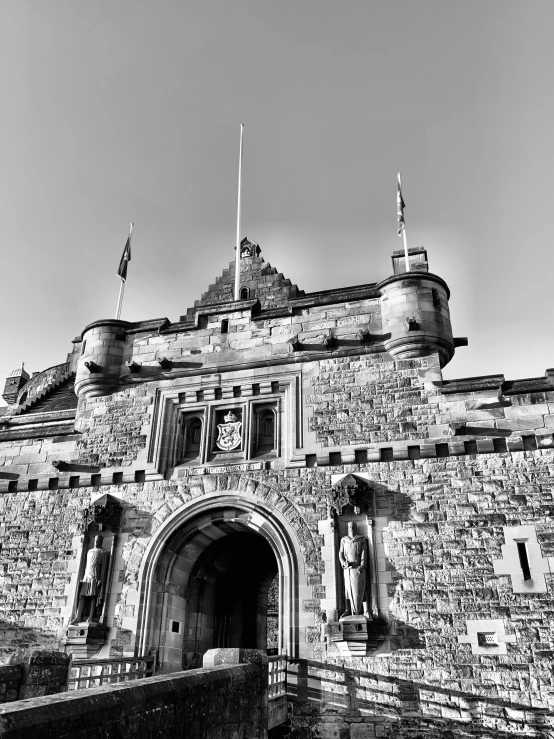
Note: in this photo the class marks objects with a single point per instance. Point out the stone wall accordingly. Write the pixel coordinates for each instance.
(215, 703)
(42, 673)
(358, 401)
(111, 427)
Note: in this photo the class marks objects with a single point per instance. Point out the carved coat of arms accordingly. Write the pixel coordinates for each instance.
(229, 433)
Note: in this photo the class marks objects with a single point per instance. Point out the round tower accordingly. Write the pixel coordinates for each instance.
(99, 365)
(414, 306)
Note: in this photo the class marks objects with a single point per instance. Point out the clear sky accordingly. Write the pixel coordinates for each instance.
(130, 110)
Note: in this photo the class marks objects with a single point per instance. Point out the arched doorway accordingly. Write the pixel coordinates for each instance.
(220, 572)
(227, 596)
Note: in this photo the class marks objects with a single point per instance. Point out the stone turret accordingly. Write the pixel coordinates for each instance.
(99, 365)
(415, 310)
(14, 383)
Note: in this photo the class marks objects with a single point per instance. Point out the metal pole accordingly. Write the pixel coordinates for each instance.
(122, 288)
(237, 257)
(406, 249)
(120, 300)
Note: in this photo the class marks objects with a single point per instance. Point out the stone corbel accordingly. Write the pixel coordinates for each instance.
(134, 367)
(92, 367)
(165, 363)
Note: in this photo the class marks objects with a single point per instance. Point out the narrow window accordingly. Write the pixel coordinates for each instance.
(117, 478)
(225, 326)
(387, 454)
(442, 450)
(193, 437)
(12, 486)
(335, 458)
(218, 393)
(95, 480)
(236, 391)
(524, 560)
(83, 347)
(414, 452)
(470, 447)
(74, 481)
(140, 476)
(311, 460)
(265, 431)
(32, 485)
(244, 293)
(53, 483)
(175, 627)
(202, 322)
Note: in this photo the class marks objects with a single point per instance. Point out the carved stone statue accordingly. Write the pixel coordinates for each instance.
(353, 556)
(92, 592)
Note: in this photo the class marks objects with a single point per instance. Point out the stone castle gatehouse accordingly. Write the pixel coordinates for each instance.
(290, 472)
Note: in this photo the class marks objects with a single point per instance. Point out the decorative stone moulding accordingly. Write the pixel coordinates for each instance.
(99, 365)
(416, 318)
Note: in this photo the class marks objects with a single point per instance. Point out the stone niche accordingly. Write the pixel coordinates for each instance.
(87, 630)
(351, 625)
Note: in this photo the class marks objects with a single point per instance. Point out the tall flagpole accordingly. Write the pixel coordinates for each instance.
(237, 256)
(122, 287)
(406, 249)
(120, 300)
(400, 205)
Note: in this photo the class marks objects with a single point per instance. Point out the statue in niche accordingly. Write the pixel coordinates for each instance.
(92, 591)
(353, 556)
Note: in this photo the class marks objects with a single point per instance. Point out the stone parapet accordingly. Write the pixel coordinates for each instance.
(216, 703)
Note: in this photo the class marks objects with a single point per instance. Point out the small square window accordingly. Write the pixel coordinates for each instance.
(487, 639)
(74, 481)
(175, 627)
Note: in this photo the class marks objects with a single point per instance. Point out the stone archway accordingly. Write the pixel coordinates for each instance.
(198, 548)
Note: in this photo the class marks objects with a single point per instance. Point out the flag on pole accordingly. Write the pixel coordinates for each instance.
(125, 257)
(400, 205)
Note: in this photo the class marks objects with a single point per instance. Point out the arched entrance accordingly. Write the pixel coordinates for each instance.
(227, 595)
(220, 571)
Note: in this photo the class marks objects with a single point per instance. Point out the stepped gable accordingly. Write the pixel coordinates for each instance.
(263, 282)
(49, 391)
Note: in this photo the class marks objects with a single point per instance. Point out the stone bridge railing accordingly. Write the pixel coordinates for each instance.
(227, 697)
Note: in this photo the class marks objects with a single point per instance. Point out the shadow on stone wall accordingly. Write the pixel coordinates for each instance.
(347, 703)
(18, 642)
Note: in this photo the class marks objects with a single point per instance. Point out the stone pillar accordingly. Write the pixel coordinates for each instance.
(44, 673)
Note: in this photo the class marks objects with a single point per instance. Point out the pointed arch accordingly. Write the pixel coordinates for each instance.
(197, 524)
